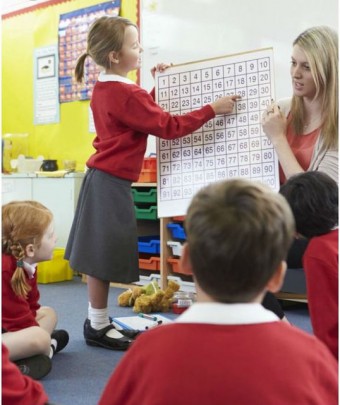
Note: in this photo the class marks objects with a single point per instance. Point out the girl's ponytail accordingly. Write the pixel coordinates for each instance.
(79, 69)
(18, 281)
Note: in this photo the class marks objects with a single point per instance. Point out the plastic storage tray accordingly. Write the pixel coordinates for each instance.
(149, 171)
(147, 176)
(146, 213)
(175, 266)
(55, 270)
(177, 231)
(179, 218)
(176, 247)
(149, 196)
(149, 244)
(153, 263)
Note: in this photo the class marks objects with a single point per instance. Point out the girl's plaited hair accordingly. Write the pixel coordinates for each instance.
(23, 223)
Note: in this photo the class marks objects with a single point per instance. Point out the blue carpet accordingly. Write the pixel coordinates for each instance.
(79, 372)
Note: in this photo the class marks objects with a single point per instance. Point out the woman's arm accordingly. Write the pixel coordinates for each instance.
(274, 125)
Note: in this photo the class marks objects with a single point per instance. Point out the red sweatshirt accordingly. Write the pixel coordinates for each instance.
(18, 389)
(17, 312)
(124, 115)
(321, 265)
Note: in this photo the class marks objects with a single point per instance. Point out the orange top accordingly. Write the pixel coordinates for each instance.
(302, 146)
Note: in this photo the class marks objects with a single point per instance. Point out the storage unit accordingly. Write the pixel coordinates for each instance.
(59, 194)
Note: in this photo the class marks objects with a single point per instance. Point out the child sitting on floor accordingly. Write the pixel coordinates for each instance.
(28, 329)
(227, 348)
(313, 198)
(18, 389)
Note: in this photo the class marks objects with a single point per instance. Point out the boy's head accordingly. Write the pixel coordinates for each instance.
(313, 198)
(238, 233)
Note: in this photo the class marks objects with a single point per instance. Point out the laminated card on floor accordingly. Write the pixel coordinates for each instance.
(139, 323)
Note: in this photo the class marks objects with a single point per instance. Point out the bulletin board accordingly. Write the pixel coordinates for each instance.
(72, 33)
(225, 147)
(36, 28)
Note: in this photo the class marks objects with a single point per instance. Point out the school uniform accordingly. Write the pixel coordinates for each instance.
(103, 238)
(18, 389)
(224, 354)
(321, 266)
(18, 312)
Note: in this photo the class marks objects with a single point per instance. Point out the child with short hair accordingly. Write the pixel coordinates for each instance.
(224, 348)
(313, 198)
(28, 329)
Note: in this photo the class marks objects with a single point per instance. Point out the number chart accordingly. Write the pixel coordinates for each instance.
(228, 146)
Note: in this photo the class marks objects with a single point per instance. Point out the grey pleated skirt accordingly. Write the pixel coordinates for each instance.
(103, 238)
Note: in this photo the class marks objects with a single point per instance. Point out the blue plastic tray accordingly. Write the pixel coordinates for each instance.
(177, 231)
(149, 244)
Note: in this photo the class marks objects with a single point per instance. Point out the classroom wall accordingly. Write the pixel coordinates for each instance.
(174, 31)
(180, 31)
(21, 34)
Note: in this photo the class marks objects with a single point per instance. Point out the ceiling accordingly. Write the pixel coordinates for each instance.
(8, 6)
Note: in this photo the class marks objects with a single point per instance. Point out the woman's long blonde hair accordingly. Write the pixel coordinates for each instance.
(23, 223)
(320, 44)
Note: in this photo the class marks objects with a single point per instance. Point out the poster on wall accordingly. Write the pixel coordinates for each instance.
(72, 34)
(46, 90)
(227, 146)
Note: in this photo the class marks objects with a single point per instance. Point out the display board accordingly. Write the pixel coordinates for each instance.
(227, 146)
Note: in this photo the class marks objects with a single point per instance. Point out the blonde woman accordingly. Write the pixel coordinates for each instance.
(304, 128)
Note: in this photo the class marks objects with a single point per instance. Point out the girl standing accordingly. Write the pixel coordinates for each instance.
(103, 238)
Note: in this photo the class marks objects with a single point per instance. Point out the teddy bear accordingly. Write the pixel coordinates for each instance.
(128, 297)
(150, 298)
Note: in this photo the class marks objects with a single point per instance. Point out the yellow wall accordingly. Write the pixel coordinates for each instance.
(21, 34)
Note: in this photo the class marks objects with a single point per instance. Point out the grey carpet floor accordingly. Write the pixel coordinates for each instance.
(79, 372)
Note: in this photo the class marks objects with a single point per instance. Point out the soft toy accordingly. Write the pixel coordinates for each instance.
(150, 298)
(128, 297)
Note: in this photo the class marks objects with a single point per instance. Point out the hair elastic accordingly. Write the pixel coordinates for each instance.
(20, 263)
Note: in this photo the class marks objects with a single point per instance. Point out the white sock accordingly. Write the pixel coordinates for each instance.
(99, 319)
(54, 345)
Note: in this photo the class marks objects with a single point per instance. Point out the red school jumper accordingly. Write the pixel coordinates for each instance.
(321, 265)
(258, 363)
(17, 312)
(124, 116)
(18, 389)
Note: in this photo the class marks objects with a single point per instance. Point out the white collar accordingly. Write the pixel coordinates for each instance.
(227, 314)
(105, 77)
(30, 269)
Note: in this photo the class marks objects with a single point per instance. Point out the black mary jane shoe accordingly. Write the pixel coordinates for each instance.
(95, 337)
